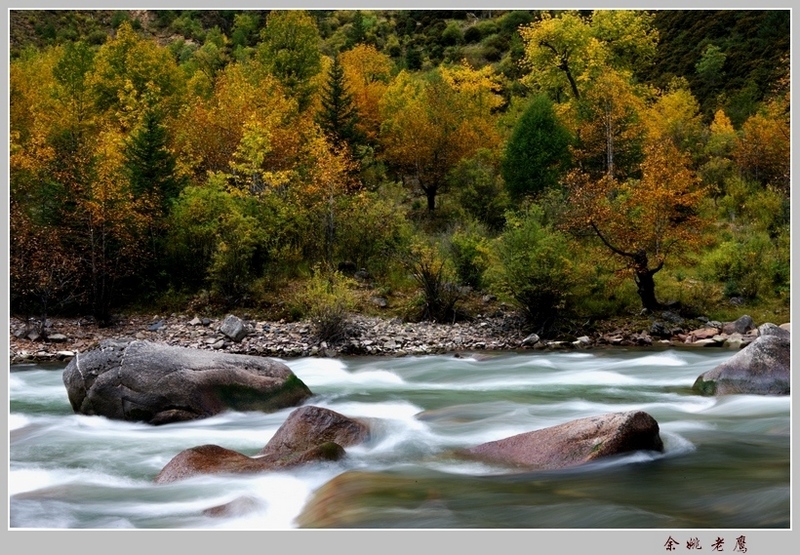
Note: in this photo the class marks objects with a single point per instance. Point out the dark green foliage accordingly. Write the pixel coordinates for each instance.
(339, 116)
(413, 59)
(452, 35)
(225, 241)
(473, 34)
(371, 231)
(357, 32)
(149, 164)
(537, 153)
(470, 250)
(119, 18)
(244, 29)
(510, 23)
(480, 190)
(752, 41)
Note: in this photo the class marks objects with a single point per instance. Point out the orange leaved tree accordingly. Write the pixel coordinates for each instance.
(642, 221)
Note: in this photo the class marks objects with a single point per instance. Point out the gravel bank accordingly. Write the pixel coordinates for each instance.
(369, 336)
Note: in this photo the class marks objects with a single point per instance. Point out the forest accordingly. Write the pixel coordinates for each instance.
(579, 166)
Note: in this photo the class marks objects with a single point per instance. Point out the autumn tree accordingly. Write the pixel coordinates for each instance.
(642, 222)
(762, 151)
(366, 72)
(245, 127)
(675, 116)
(565, 52)
(434, 121)
(44, 275)
(608, 125)
(127, 68)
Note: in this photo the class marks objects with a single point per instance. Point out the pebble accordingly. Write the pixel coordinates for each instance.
(369, 336)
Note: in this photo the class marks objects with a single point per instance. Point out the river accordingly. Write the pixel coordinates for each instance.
(726, 462)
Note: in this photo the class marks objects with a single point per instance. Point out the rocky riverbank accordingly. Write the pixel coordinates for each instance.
(368, 336)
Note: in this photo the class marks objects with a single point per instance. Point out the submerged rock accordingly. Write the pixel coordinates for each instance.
(158, 384)
(238, 507)
(573, 443)
(762, 367)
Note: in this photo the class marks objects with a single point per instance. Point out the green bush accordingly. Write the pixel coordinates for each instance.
(536, 268)
(473, 34)
(371, 232)
(469, 250)
(452, 35)
(480, 189)
(327, 302)
(439, 293)
(226, 241)
(750, 268)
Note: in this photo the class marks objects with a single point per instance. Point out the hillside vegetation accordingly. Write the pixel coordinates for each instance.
(579, 166)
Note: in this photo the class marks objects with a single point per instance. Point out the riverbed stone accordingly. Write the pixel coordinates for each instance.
(741, 325)
(233, 327)
(309, 426)
(213, 459)
(309, 434)
(573, 443)
(762, 367)
(159, 384)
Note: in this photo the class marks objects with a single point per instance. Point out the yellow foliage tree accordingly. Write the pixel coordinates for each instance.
(434, 121)
(367, 73)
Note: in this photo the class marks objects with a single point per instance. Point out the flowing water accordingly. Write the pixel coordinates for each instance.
(726, 462)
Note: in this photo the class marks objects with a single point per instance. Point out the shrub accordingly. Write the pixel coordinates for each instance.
(480, 189)
(536, 268)
(371, 232)
(452, 35)
(473, 34)
(226, 240)
(469, 250)
(327, 302)
(439, 294)
(748, 268)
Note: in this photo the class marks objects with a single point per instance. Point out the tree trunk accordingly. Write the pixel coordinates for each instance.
(430, 193)
(646, 288)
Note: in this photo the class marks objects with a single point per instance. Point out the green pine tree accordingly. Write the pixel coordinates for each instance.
(339, 115)
(537, 152)
(149, 163)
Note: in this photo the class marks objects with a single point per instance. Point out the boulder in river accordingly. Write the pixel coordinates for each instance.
(159, 384)
(213, 459)
(573, 443)
(309, 426)
(309, 434)
(762, 367)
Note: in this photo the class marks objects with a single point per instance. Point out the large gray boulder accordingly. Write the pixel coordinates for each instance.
(573, 443)
(763, 367)
(159, 384)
